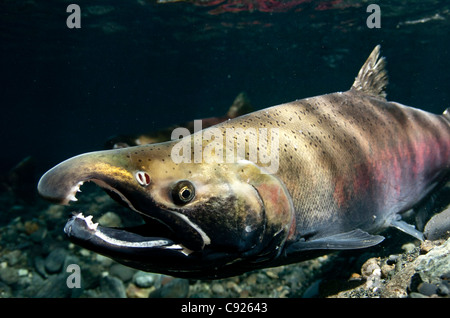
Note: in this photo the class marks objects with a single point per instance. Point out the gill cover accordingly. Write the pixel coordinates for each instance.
(278, 207)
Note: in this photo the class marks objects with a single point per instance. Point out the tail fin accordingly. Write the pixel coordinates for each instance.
(372, 78)
(240, 106)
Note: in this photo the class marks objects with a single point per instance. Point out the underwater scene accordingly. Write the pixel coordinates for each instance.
(142, 157)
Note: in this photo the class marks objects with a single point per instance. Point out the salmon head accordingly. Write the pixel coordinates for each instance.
(202, 220)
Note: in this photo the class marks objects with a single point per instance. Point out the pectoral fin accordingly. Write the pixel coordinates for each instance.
(343, 241)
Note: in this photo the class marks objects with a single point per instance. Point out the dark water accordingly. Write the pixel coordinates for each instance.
(135, 66)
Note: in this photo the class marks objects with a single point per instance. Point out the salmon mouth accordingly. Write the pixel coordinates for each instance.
(85, 232)
(163, 232)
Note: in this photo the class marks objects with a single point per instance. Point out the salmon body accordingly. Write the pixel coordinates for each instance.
(272, 187)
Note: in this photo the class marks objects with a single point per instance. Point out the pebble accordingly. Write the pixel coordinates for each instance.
(55, 260)
(55, 211)
(103, 260)
(233, 286)
(54, 287)
(427, 289)
(427, 246)
(417, 295)
(110, 219)
(435, 263)
(444, 288)
(112, 287)
(438, 226)
(14, 257)
(218, 289)
(123, 272)
(134, 291)
(386, 270)
(313, 290)
(272, 274)
(146, 280)
(176, 288)
(5, 291)
(9, 275)
(408, 247)
(38, 235)
(39, 265)
(370, 266)
(392, 259)
(22, 272)
(31, 227)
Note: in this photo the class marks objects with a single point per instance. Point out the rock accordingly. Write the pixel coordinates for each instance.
(438, 227)
(22, 272)
(110, 219)
(55, 260)
(428, 268)
(399, 283)
(444, 288)
(427, 246)
(112, 287)
(103, 260)
(9, 275)
(408, 247)
(313, 290)
(176, 288)
(370, 267)
(90, 276)
(122, 272)
(392, 259)
(218, 289)
(5, 291)
(54, 287)
(134, 291)
(38, 235)
(39, 265)
(434, 264)
(54, 212)
(427, 289)
(386, 270)
(14, 257)
(31, 227)
(417, 295)
(146, 280)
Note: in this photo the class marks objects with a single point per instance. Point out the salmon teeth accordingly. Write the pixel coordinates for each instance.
(90, 224)
(74, 190)
(88, 219)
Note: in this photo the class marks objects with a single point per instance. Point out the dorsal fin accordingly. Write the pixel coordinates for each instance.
(240, 106)
(446, 114)
(372, 78)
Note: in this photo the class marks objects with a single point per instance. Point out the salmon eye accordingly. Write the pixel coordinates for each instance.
(182, 192)
(143, 178)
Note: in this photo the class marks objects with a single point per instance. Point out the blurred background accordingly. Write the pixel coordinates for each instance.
(139, 65)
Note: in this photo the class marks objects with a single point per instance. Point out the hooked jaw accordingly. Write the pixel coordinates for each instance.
(168, 241)
(109, 170)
